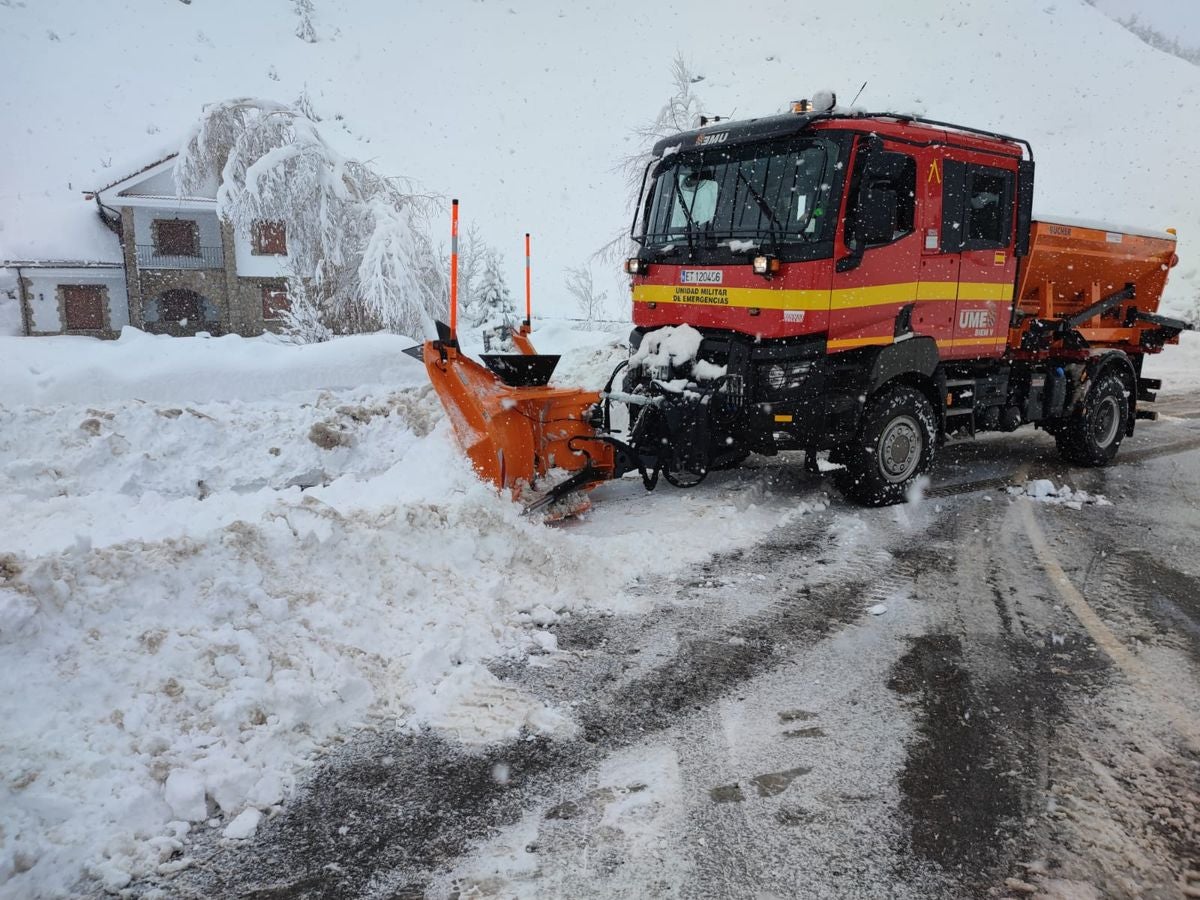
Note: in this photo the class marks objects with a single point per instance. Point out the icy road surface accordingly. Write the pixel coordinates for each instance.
(981, 695)
(262, 639)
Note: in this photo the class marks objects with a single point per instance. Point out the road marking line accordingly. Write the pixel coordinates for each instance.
(1141, 677)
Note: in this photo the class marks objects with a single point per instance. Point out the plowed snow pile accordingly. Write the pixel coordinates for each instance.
(196, 596)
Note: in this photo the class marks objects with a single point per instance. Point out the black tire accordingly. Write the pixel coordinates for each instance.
(1093, 436)
(895, 446)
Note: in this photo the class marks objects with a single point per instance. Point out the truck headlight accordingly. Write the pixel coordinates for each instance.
(785, 375)
(765, 265)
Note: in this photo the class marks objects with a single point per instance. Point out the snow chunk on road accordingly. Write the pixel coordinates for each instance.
(1045, 491)
(184, 793)
(244, 825)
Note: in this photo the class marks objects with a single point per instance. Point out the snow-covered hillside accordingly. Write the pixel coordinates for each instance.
(523, 109)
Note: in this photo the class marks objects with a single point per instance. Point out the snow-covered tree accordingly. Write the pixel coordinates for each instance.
(493, 310)
(681, 112)
(357, 240)
(472, 253)
(589, 300)
(305, 30)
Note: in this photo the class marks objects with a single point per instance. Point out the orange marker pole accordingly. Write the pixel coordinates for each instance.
(453, 270)
(528, 292)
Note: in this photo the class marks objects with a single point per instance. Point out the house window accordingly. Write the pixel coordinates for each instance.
(275, 302)
(270, 239)
(180, 307)
(176, 237)
(84, 306)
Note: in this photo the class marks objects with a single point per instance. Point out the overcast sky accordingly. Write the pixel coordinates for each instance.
(1179, 19)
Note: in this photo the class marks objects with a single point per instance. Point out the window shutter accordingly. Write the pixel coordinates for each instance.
(275, 301)
(176, 237)
(84, 307)
(270, 239)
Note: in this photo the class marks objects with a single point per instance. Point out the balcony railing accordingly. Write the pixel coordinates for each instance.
(148, 257)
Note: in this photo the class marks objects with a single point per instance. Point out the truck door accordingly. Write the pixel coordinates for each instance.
(978, 207)
(937, 292)
(875, 275)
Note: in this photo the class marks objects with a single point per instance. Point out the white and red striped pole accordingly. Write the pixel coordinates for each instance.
(454, 270)
(528, 291)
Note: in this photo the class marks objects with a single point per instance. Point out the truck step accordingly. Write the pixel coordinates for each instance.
(1145, 396)
(965, 382)
(960, 411)
(1147, 414)
(1150, 384)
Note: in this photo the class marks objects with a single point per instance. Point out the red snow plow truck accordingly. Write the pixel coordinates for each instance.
(863, 284)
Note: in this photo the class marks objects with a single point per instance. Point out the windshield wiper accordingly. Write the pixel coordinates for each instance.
(766, 208)
(687, 211)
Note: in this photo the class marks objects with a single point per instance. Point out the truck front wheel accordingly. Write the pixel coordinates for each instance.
(894, 447)
(1092, 437)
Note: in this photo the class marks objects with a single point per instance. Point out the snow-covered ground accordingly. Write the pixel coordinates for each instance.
(217, 555)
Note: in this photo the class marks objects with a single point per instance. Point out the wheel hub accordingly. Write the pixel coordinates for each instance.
(1105, 422)
(900, 448)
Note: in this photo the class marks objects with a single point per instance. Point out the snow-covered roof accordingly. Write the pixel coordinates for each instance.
(58, 264)
(149, 168)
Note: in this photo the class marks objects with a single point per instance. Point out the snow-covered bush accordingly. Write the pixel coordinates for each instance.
(359, 250)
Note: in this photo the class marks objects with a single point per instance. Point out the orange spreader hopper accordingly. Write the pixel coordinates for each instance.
(1106, 284)
(520, 434)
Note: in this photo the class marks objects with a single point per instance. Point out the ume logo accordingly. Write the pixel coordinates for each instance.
(977, 318)
(719, 138)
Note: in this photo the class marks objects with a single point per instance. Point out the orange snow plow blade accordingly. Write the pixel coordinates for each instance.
(519, 433)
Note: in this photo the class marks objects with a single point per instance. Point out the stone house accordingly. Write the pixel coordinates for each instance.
(182, 270)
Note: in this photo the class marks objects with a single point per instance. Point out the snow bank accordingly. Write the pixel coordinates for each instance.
(10, 315)
(162, 368)
(1178, 366)
(195, 599)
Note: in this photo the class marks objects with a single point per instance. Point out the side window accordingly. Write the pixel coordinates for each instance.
(988, 199)
(977, 207)
(887, 204)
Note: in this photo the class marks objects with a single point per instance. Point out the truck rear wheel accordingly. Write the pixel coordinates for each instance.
(1092, 437)
(895, 446)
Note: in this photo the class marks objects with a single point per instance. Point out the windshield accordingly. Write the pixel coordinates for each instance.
(745, 197)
